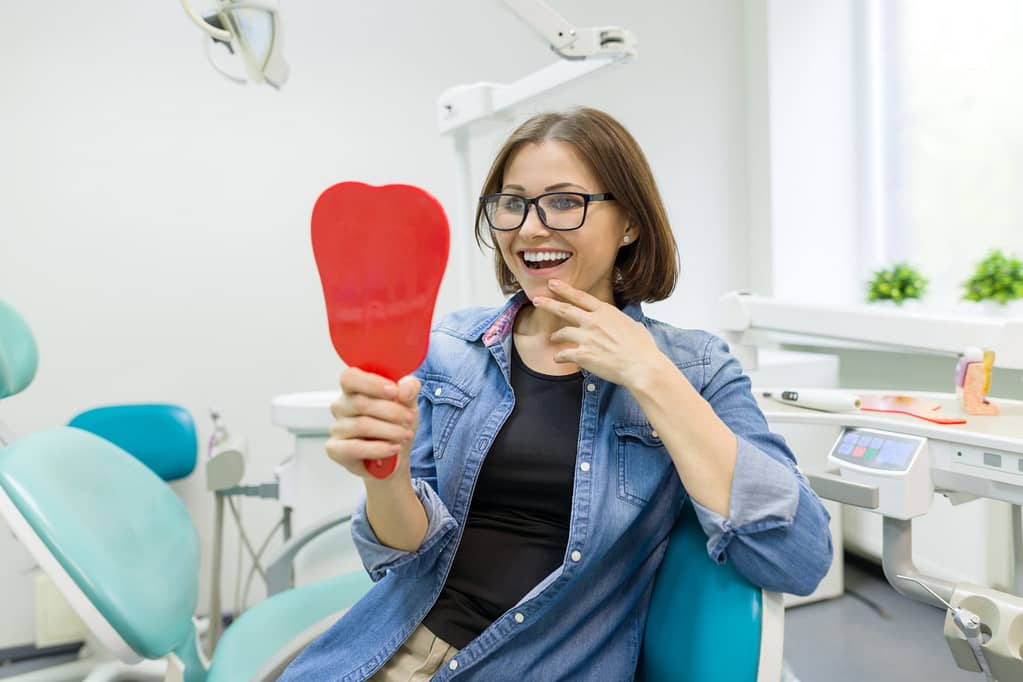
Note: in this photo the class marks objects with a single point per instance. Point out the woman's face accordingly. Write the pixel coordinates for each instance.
(553, 166)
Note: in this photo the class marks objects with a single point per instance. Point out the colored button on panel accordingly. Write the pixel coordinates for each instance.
(858, 451)
(871, 453)
(844, 448)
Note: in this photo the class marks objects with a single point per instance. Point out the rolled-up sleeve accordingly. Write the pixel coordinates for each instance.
(764, 495)
(776, 533)
(379, 558)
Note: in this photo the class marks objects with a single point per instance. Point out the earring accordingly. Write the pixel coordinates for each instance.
(626, 239)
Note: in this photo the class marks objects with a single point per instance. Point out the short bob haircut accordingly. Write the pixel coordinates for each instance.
(648, 269)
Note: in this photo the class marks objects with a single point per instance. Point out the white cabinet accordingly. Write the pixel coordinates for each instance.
(810, 443)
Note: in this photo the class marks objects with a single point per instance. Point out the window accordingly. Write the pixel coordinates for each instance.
(946, 126)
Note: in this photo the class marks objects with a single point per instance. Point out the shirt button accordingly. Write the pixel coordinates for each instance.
(519, 618)
(453, 664)
(438, 392)
(591, 387)
(653, 434)
(585, 466)
(576, 555)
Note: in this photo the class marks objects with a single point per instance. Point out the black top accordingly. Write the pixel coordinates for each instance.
(516, 531)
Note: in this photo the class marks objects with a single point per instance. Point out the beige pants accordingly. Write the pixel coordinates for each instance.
(418, 659)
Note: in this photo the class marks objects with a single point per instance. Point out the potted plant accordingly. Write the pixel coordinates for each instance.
(997, 281)
(897, 284)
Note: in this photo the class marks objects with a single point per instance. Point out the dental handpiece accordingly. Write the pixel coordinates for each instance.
(968, 623)
(826, 400)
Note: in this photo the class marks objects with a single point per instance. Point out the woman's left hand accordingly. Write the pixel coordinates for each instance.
(608, 342)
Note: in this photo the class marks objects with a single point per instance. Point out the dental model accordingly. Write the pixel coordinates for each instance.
(973, 381)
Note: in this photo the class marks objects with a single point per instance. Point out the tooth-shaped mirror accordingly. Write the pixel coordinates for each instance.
(381, 254)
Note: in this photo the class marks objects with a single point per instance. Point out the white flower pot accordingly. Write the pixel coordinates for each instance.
(910, 304)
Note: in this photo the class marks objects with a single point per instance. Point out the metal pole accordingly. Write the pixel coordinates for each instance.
(1017, 550)
(897, 559)
(215, 615)
(462, 221)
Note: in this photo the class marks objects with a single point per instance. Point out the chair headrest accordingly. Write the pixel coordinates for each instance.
(160, 436)
(18, 355)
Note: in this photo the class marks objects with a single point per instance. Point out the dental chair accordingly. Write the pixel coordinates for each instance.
(120, 546)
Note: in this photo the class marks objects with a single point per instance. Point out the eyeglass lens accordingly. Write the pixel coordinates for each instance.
(559, 211)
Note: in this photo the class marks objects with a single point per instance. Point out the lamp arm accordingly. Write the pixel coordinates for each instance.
(543, 19)
(568, 41)
(207, 27)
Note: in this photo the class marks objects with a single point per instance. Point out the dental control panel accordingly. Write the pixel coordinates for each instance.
(907, 470)
(877, 450)
(894, 463)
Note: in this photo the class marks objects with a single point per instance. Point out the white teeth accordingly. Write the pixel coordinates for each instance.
(537, 256)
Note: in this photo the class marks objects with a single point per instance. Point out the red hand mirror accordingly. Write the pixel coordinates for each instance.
(381, 253)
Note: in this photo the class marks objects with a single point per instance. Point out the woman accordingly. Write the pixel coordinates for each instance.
(554, 442)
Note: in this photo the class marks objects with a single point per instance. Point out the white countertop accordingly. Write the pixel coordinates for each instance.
(1004, 432)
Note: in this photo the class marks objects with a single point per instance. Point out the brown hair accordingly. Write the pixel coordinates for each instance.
(648, 269)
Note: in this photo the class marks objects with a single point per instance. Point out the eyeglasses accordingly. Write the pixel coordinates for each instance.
(556, 210)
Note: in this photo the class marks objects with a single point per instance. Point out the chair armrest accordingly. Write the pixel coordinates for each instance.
(273, 668)
(264, 639)
(278, 572)
(772, 637)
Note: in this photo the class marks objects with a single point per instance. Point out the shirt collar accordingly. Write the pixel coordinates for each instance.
(497, 328)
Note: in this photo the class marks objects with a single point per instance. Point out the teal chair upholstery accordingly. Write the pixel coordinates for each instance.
(707, 622)
(119, 544)
(18, 354)
(121, 547)
(118, 532)
(160, 436)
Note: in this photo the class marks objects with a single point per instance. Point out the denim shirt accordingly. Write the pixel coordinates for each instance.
(585, 620)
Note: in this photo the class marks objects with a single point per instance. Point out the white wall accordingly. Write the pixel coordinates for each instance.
(154, 217)
(805, 153)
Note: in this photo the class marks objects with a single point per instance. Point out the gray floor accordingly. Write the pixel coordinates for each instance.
(22, 667)
(846, 640)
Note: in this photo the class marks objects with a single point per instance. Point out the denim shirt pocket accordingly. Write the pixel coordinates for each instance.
(448, 401)
(642, 461)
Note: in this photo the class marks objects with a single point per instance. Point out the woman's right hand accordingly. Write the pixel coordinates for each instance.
(374, 418)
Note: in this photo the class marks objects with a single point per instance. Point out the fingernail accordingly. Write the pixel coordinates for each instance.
(555, 282)
(539, 299)
(390, 390)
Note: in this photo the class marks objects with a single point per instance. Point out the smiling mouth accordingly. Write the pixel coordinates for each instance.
(547, 260)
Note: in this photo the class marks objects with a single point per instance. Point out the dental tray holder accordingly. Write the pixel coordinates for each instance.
(1001, 617)
(1001, 614)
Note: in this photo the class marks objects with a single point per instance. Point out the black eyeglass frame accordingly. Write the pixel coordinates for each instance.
(535, 201)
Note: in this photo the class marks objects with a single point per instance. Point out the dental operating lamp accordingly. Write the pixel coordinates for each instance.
(251, 32)
(581, 51)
